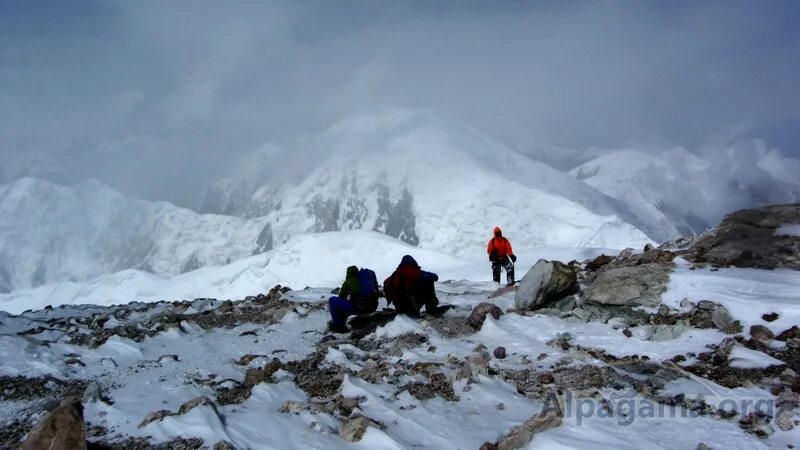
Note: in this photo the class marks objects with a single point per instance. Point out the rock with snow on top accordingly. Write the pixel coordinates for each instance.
(479, 313)
(353, 429)
(659, 333)
(785, 420)
(92, 393)
(521, 436)
(195, 402)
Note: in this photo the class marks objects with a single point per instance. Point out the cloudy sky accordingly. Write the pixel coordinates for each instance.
(154, 97)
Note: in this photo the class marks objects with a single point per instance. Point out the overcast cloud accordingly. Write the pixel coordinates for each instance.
(155, 97)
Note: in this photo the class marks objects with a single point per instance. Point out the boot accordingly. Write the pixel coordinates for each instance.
(338, 328)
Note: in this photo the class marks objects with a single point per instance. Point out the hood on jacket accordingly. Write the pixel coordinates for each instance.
(408, 261)
(498, 231)
(352, 272)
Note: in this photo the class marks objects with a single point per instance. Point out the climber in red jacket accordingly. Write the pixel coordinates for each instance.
(502, 256)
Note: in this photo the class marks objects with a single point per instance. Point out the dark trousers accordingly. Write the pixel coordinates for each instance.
(499, 264)
(340, 309)
(412, 301)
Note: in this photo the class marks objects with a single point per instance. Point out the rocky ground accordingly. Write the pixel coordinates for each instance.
(691, 345)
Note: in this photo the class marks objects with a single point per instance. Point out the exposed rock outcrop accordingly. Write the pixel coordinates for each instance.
(62, 429)
(747, 238)
(640, 285)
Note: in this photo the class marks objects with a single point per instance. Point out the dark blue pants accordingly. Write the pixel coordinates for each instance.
(341, 309)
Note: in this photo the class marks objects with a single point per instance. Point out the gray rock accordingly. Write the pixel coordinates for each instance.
(152, 416)
(747, 238)
(62, 429)
(546, 282)
(581, 314)
(723, 351)
(627, 253)
(477, 365)
(280, 313)
(661, 333)
(788, 376)
(521, 436)
(724, 322)
(784, 420)
(629, 285)
(706, 305)
(224, 445)
(500, 352)
(195, 402)
(92, 393)
(353, 429)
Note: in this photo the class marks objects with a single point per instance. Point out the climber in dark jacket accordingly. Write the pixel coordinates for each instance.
(350, 302)
(410, 287)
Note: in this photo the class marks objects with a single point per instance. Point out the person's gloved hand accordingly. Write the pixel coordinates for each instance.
(493, 255)
(513, 258)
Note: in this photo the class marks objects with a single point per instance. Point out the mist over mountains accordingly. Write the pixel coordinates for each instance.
(414, 175)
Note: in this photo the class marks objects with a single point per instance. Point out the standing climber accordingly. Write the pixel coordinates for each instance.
(358, 295)
(502, 256)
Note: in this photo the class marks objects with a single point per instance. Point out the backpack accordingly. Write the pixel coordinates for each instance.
(367, 283)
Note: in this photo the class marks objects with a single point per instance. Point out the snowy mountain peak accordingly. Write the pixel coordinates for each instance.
(55, 233)
(432, 182)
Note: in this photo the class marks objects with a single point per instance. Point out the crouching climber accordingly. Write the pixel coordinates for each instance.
(409, 288)
(358, 295)
(502, 256)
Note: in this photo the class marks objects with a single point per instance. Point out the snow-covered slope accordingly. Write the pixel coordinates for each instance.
(680, 192)
(55, 233)
(304, 260)
(438, 184)
(412, 175)
(627, 175)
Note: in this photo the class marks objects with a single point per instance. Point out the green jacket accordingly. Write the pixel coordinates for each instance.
(350, 289)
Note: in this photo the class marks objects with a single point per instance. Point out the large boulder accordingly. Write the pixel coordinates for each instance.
(546, 282)
(629, 286)
(758, 237)
(62, 429)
